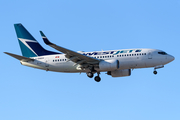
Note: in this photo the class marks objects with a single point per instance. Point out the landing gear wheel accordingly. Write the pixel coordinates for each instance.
(90, 74)
(97, 79)
(155, 72)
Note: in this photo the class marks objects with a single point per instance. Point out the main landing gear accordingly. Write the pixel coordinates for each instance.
(97, 78)
(90, 74)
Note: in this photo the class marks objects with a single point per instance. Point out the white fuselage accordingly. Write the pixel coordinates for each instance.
(128, 59)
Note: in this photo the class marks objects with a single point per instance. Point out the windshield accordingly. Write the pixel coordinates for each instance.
(162, 53)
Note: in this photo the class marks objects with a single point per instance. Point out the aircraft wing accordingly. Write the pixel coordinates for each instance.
(21, 58)
(71, 55)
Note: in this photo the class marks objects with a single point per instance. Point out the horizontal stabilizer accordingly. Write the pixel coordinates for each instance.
(21, 58)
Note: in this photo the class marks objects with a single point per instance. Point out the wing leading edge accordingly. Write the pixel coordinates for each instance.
(71, 55)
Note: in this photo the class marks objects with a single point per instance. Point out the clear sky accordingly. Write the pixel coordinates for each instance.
(32, 94)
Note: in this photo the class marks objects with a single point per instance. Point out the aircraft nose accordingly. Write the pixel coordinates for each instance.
(170, 58)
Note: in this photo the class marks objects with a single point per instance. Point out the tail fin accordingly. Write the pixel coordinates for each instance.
(28, 44)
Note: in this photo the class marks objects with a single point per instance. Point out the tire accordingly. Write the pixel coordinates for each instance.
(90, 74)
(155, 72)
(97, 79)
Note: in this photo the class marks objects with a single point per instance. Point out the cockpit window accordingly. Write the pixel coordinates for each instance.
(162, 53)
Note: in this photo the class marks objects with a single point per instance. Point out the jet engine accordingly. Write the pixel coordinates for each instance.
(109, 65)
(120, 73)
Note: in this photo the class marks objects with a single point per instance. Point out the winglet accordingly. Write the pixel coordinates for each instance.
(45, 39)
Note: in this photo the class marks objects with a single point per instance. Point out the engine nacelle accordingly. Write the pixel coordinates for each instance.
(120, 73)
(109, 65)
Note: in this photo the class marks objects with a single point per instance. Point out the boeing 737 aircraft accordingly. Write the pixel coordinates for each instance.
(117, 63)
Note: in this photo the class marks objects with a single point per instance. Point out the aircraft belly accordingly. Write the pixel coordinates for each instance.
(63, 67)
(31, 64)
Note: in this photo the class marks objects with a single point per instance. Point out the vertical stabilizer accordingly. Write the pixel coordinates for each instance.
(28, 44)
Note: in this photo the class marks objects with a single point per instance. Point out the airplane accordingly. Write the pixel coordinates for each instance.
(116, 63)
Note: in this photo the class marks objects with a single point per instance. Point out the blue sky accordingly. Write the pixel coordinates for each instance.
(27, 93)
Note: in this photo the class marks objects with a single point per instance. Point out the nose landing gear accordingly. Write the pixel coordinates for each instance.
(157, 67)
(155, 72)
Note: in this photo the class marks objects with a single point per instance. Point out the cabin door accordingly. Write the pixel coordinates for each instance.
(149, 55)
